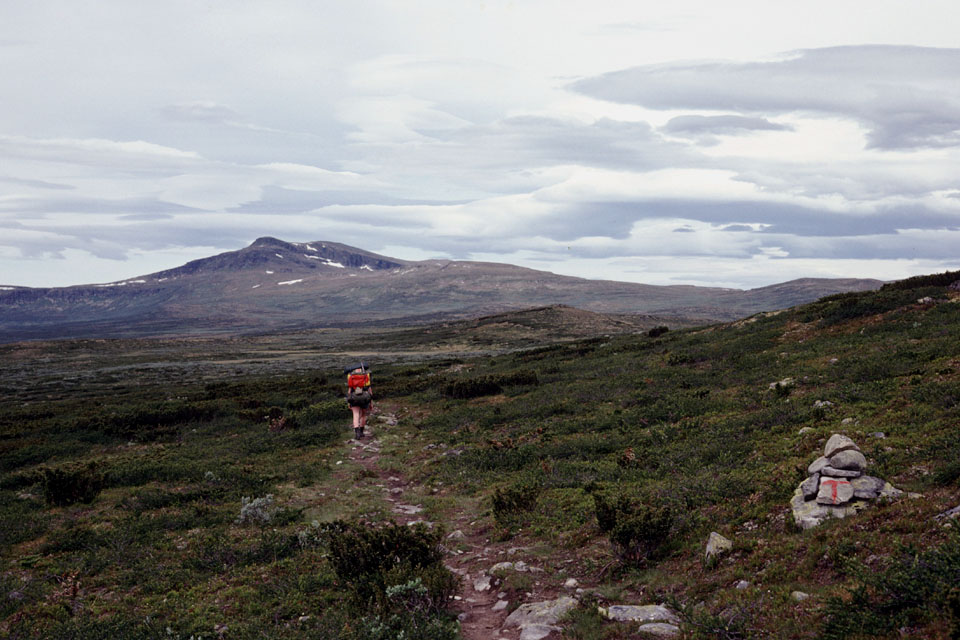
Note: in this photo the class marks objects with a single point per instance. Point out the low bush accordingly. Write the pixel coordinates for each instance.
(68, 485)
(370, 560)
(509, 501)
(488, 385)
(913, 588)
(638, 529)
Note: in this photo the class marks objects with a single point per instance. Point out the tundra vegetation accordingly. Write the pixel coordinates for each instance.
(145, 493)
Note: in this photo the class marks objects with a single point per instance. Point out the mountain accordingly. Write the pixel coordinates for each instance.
(273, 285)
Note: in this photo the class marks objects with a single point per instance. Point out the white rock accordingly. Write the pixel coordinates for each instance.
(456, 535)
(717, 545)
(817, 465)
(834, 491)
(867, 487)
(799, 596)
(810, 487)
(482, 584)
(537, 631)
(501, 605)
(850, 459)
(540, 613)
(838, 443)
(660, 630)
(741, 585)
(571, 583)
(640, 613)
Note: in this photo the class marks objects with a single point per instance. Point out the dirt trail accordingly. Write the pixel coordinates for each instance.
(471, 552)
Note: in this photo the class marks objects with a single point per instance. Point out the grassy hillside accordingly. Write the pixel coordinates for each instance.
(134, 502)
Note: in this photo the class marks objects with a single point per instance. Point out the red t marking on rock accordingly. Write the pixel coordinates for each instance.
(833, 485)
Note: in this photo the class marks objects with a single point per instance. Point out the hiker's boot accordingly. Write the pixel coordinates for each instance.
(357, 433)
(361, 432)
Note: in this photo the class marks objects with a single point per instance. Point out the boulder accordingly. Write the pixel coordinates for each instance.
(850, 459)
(640, 613)
(483, 583)
(810, 514)
(818, 464)
(799, 596)
(867, 487)
(810, 487)
(839, 473)
(834, 491)
(838, 443)
(717, 545)
(544, 613)
(949, 514)
(537, 631)
(660, 630)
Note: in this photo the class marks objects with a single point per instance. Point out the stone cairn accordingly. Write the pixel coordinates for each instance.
(837, 486)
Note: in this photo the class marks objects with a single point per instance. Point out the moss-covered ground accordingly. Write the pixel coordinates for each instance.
(123, 477)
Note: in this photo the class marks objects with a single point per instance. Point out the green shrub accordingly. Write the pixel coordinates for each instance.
(944, 279)
(914, 588)
(68, 485)
(638, 529)
(369, 560)
(321, 412)
(656, 332)
(472, 388)
(509, 501)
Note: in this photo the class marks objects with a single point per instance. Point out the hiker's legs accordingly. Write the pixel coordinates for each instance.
(357, 413)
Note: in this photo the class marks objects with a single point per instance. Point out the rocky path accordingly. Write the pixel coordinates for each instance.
(481, 563)
(507, 591)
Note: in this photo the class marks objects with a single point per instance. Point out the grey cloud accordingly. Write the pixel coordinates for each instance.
(907, 96)
(778, 218)
(199, 112)
(134, 206)
(282, 200)
(37, 184)
(726, 124)
(737, 227)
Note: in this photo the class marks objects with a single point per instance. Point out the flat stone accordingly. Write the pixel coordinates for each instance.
(408, 509)
(949, 514)
(660, 630)
(641, 613)
(502, 566)
(571, 583)
(850, 459)
(456, 535)
(840, 473)
(537, 631)
(808, 515)
(717, 545)
(867, 487)
(890, 491)
(741, 585)
(838, 443)
(501, 605)
(543, 613)
(817, 465)
(799, 596)
(804, 430)
(834, 491)
(810, 487)
(482, 584)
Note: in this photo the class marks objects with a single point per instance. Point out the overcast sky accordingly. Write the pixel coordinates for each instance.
(733, 144)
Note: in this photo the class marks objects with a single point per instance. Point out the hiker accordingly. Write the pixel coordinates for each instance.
(359, 396)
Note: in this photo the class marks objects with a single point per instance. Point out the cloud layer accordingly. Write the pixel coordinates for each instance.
(532, 134)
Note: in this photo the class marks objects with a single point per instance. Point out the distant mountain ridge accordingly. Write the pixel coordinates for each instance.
(273, 285)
